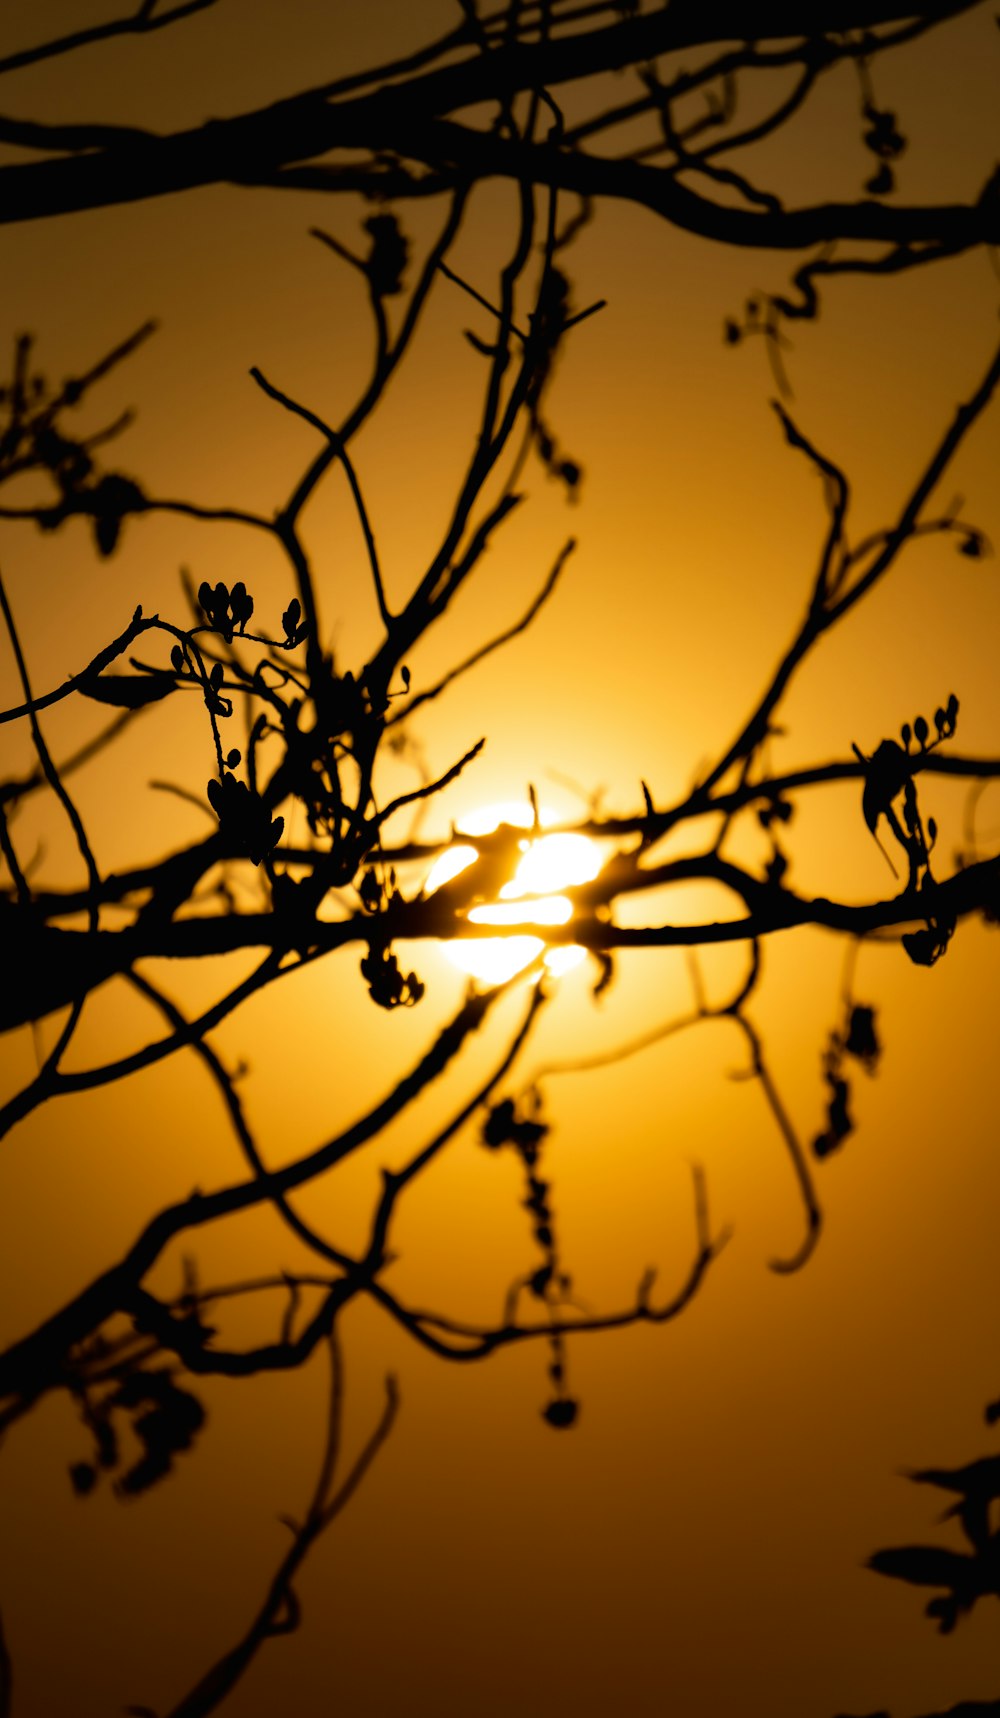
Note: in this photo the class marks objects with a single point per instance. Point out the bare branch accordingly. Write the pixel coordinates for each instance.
(142, 22)
(279, 1614)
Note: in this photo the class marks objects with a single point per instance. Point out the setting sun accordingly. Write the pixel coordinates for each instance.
(530, 897)
(499, 859)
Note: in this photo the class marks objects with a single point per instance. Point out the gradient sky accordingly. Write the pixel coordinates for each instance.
(695, 1545)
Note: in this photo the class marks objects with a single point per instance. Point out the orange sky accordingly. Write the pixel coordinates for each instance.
(695, 1545)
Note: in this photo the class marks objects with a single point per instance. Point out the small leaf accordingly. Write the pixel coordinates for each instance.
(922, 947)
(404, 674)
(241, 605)
(920, 731)
(561, 1413)
(107, 530)
(386, 983)
(126, 691)
(118, 495)
(83, 1478)
(370, 891)
(290, 618)
(882, 136)
(881, 182)
(232, 758)
(885, 774)
(606, 972)
(862, 1038)
(388, 255)
(499, 1125)
(839, 1124)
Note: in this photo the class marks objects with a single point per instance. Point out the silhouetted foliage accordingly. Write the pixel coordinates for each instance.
(318, 730)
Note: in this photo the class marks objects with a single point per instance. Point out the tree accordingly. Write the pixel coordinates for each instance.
(315, 843)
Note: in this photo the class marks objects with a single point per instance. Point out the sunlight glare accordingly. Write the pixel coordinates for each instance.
(550, 863)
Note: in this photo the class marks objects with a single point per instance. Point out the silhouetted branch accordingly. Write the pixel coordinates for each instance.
(395, 1182)
(484, 101)
(143, 21)
(292, 133)
(12, 791)
(33, 1365)
(824, 612)
(432, 787)
(335, 441)
(814, 1217)
(485, 650)
(76, 682)
(279, 1614)
(477, 1341)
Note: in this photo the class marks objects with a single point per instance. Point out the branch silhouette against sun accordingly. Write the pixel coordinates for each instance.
(315, 735)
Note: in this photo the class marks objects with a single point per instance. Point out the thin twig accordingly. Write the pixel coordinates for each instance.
(280, 1612)
(494, 644)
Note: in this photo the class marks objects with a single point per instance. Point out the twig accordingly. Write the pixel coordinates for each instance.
(494, 643)
(280, 1612)
(140, 23)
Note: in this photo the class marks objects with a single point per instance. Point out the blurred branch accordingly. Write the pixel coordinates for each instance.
(280, 1613)
(142, 22)
(299, 864)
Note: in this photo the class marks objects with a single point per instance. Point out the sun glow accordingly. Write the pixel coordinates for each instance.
(548, 863)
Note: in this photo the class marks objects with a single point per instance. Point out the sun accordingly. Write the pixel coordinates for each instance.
(548, 863)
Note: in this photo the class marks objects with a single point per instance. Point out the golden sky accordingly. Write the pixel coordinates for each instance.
(695, 1546)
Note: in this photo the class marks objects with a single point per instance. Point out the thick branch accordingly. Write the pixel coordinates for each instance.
(406, 117)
